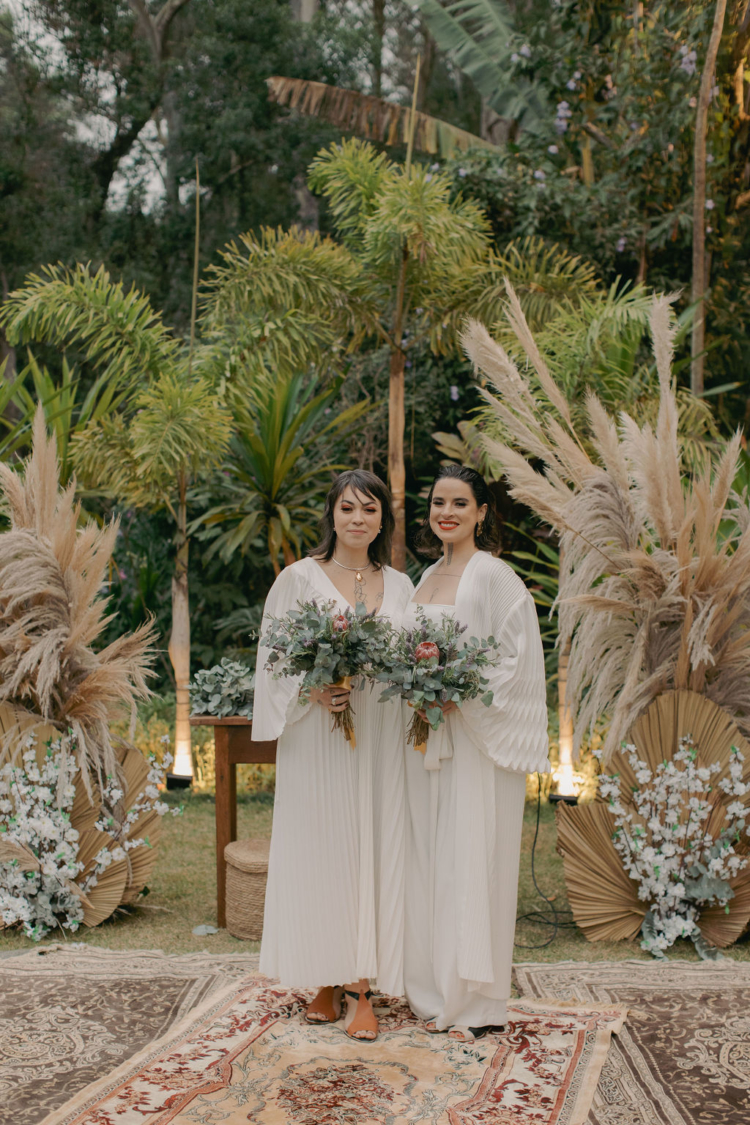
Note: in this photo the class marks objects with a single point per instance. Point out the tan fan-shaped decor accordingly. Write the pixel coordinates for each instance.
(123, 879)
(101, 900)
(602, 896)
(147, 827)
(671, 716)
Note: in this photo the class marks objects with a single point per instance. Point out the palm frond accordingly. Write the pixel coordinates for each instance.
(371, 117)
(119, 330)
(478, 36)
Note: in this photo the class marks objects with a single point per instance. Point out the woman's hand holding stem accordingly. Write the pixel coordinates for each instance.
(334, 698)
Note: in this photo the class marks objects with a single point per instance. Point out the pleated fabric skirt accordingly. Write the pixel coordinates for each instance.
(334, 910)
(437, 908)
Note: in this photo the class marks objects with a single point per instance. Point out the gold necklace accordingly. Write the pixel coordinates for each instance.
(358, 569)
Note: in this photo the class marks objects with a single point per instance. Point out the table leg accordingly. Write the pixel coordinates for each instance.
(226, 818)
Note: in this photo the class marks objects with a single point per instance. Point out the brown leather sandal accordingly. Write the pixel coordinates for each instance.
(360, 1026)
(326, 1007)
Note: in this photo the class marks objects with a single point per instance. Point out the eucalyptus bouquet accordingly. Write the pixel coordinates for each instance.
(327, 648)
(429, 666)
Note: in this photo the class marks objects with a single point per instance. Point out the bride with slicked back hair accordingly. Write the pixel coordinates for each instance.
(465, 796)
(334, 901)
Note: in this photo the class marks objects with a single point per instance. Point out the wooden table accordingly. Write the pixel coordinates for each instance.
(234, 746)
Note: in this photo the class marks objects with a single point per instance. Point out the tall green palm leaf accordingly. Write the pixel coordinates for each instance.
(479, 36)
(65, 413)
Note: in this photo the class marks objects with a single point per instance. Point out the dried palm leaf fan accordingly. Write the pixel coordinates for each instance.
(101, 900)
(51, 613)
(147, 827)
(602, 897)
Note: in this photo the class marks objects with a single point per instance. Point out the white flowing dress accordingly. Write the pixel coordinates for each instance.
(465, 799)
(334, 900)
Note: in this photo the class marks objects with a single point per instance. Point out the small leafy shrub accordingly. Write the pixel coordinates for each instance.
(226, 689)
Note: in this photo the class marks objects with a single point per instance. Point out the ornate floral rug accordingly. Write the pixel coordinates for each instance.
(247, 1056)
(683, 1058)
(70, 1014)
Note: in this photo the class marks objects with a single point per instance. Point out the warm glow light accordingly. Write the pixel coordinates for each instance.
(183, 762)
(566, 785)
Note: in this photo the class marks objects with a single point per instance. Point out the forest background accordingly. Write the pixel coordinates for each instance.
(590, 111)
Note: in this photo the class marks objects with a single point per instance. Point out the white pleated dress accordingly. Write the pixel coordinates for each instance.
(465, 800)
(334, 909)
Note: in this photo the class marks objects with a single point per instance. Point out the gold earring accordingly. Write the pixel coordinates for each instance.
(480, 525)
(380, 528)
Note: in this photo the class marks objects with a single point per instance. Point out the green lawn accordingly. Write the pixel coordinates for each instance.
(183, 893)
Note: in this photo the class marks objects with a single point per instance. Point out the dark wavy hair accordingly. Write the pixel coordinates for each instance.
(366, 484)
(488, 539)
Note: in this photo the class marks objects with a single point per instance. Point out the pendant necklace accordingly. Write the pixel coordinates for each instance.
(358, 569)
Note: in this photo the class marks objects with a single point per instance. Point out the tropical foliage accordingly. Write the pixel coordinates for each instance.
(280, 462)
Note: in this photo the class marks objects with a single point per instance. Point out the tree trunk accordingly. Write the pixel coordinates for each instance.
(6, 351)
(698, 289)
(378, 19)
(564, 771)
(179, 641)
(396, 422)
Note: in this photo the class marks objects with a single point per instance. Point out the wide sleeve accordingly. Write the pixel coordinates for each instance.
(276, 705)
(404, 594)
(512, 731)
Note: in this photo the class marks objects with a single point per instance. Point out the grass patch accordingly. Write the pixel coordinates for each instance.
(183, 892)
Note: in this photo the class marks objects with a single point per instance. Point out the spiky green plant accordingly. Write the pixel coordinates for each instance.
(652, 598)
(280, 469)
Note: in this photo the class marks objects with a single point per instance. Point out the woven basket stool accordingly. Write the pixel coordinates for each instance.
(247, 871)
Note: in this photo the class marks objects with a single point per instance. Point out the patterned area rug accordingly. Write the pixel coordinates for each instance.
(247, 1056)
(684, 1056)
(71, 1015)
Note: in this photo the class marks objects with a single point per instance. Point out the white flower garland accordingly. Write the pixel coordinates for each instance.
(664, 846)
(35, 805)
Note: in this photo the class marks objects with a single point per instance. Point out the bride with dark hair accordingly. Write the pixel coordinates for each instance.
(465, 796)
(334, 900)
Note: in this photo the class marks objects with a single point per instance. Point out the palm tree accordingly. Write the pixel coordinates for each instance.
(174, 428)
(399, 273)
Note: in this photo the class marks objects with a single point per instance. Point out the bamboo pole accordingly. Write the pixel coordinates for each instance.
(699, 284)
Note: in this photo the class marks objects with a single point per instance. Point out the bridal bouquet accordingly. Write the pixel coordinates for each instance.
(430, 666)
(327, 648)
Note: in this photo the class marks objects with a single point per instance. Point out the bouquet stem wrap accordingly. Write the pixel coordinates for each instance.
(344, 720)
(417, 733)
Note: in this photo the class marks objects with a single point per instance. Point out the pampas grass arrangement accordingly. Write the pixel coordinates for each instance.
(655, 578)
(52, 572)
(80, 815)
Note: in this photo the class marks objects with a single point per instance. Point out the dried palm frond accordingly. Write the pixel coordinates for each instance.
(52, 612)
(106, 894)
(603, 898)
(655, 579)
(371, 117)
(134, 769)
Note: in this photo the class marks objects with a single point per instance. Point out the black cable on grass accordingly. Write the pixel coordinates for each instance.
(541, 917)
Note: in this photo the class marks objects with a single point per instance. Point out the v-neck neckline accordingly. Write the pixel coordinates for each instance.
(432, 568)
(345, 600)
